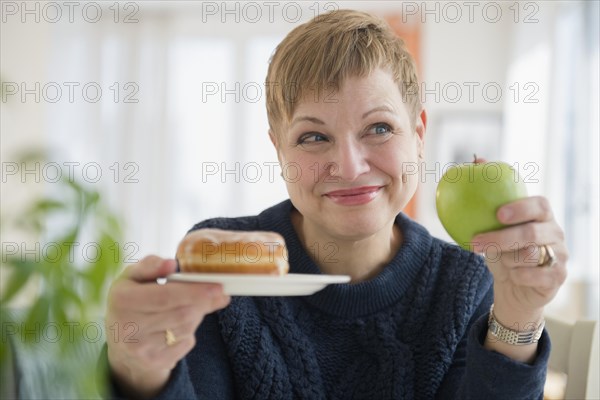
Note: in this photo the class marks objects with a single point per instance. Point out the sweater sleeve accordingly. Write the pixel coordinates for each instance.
(479, 373)
(179, 385)
(203, 374)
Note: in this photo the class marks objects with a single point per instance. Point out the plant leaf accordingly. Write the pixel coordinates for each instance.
(19, 272)
(36, 320)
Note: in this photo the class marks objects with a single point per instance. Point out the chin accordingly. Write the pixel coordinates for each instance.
(359, 228)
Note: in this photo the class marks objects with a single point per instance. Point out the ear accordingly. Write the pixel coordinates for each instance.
(273, 138)
(275, 142)
(420, 128)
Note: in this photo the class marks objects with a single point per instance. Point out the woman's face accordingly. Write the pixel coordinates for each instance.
(350, 158)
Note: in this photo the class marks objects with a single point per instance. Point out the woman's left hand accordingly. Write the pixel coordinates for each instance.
(521, 286)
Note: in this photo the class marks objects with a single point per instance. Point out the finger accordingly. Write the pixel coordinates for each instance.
(154, 298)
(184, 317)
(150, 333)
(153, 352)
(542, 278)
(527, 256)
(184, 343)
(517, 237)
(534, 208)
(150, 268)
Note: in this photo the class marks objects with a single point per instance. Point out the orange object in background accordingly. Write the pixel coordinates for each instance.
(409, 29)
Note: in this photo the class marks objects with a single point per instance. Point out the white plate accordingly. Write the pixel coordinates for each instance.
(264, 285)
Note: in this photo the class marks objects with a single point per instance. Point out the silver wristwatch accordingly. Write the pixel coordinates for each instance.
(510, 336)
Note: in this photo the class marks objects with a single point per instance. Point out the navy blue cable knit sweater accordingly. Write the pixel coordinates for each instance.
(413, 332)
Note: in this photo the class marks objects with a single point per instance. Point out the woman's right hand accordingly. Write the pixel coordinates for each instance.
(140, 311)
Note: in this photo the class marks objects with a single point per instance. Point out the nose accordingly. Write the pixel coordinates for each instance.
(349, 160)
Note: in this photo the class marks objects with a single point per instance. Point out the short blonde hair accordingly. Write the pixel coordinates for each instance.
(317, 56)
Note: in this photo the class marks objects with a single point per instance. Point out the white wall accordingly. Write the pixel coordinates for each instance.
(459, 60)
(24, 58)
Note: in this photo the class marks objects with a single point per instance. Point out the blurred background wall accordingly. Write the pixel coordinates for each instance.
(160, 106)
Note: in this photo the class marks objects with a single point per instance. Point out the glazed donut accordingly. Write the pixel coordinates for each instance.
(235, 252)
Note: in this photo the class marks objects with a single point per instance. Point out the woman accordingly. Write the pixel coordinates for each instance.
(415, 321)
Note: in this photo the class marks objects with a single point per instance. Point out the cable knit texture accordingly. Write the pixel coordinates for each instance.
(402, 335)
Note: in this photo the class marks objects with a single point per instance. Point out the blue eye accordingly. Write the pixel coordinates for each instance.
(311, 138)
(381, 129)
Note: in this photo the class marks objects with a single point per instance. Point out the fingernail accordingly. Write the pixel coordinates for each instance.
(505, 214)
(214, 291)
(171, 264)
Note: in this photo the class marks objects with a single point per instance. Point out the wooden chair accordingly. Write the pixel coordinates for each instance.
(575, 352)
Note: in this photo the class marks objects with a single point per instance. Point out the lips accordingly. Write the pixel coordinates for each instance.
(354, 196)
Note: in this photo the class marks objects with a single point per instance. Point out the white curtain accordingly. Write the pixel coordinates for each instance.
(170, 149)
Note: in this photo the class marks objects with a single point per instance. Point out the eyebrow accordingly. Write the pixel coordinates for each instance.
(319, 122)
(307, 118)
(376, 109)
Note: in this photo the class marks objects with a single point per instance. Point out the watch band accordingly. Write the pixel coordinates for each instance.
(510, 336)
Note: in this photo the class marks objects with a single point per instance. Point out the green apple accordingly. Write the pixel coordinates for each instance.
(469, 195)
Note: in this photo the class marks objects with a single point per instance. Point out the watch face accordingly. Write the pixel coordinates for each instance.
(493, 327)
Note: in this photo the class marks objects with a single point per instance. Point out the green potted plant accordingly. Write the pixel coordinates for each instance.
(70, 265)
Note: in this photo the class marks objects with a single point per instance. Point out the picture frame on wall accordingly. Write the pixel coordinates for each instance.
(461, 135)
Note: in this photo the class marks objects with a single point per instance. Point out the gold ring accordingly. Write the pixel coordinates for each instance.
(547, 257)
(170, 338)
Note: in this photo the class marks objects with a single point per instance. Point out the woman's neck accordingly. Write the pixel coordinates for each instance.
(361, 259)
